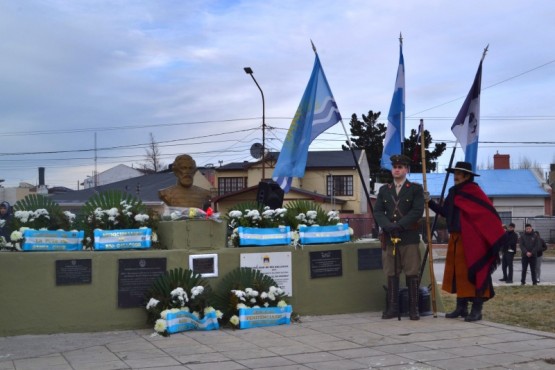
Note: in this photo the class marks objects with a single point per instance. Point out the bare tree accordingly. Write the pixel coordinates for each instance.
(526, 163)
(152, 156)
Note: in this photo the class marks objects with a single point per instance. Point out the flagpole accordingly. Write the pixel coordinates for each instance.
(428, 231)
(450, 165)
(441, 200)
(401, 115)
(484, 53)
(363, 181)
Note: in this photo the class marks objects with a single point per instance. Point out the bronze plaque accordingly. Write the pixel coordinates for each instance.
(326, 264)
(73, 272)
(135, 277)
(203, 265)
(369, 259)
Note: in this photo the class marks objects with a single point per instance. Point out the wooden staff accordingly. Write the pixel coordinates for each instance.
(428, 231)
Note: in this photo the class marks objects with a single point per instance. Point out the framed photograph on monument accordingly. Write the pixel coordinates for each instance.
(204, 264)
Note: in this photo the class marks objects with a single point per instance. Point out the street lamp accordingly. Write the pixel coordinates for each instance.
(248, 71)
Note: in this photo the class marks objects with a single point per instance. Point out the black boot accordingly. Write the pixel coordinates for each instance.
(412, 285)
(476, 312)
(392, 310)
(460, 311)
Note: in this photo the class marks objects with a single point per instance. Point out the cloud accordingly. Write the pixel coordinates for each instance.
(92, 66)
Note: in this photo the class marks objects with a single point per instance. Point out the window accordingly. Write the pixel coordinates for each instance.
(231, 184)
(339, 185)
(506, 217)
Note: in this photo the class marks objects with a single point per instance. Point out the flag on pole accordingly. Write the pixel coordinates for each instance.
(467, 124)
(316, 113)
(395, 134)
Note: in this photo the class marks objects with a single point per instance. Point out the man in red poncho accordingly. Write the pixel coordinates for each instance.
(476, 236)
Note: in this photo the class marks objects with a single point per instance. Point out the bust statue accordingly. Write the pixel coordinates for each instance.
(184, 193)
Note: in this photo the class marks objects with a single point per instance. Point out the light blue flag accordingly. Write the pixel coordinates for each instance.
(395, 134)
(316, 113)
(467, 124)
(284, 183)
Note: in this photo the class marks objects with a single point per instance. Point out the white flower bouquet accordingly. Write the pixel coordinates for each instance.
(244, 291)
(115, 210)
(180, 300)
(296, 215)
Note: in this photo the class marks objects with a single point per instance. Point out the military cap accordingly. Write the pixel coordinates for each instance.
(400, 159)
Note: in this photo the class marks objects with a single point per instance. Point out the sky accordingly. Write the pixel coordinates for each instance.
(84, 84)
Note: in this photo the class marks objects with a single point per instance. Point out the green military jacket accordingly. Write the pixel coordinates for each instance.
(404, 209)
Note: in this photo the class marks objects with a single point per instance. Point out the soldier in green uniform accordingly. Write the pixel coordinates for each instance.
(398, 209)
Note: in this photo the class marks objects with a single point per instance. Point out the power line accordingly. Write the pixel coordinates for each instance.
(485, 88)
(119, 147)
(130, 127)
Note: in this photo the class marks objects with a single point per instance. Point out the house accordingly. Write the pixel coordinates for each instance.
(144, 187)
(114, 174)
(331, 180)
(519, 195)
(13, 194)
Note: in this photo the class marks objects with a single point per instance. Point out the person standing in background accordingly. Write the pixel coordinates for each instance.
(529, 246)
(509, 251)
(5, 220)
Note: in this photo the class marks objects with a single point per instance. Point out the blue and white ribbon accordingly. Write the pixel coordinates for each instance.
(324, 234)
(264, 316)
(122, 239)
(264, 236)
(51, 240)
(184, 321)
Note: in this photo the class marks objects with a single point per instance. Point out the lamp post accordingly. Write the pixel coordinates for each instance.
(249, 71)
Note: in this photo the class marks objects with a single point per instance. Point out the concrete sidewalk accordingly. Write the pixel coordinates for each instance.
(354, 341)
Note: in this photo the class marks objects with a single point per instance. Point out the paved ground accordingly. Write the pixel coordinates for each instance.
(357, 341)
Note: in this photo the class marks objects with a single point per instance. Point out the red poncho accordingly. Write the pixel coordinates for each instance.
(482, 234)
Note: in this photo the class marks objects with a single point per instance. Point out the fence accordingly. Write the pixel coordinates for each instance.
(544, 225)
(361, 224)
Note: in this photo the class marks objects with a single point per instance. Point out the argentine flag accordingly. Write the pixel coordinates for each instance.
(467, 124)
(316, 113)
(395, 134)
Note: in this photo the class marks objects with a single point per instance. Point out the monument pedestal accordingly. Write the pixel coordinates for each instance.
(193, 234)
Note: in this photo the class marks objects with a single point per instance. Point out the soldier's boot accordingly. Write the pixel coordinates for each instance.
(412, 285)
(392, 309)
(460, 311)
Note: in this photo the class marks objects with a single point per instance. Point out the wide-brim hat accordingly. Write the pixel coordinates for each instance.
(463, 167)
(400, 159)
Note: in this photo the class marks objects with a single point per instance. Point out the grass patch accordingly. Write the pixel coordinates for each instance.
(526, 306)
(550, 252)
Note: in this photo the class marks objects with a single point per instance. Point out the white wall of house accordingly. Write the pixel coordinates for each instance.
(521, 207)
(12, 195)
(117, 173)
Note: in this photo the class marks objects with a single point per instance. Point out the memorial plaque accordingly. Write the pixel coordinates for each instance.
(326, 264)
(276, 265)
(369, 259)
(135, 277)
(204, 264)
(73, 272)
